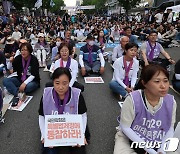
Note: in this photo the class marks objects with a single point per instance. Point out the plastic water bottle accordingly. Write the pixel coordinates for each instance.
(4, 72)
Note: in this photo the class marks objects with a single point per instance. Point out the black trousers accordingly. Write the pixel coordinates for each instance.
(160, 61)
(64, 150)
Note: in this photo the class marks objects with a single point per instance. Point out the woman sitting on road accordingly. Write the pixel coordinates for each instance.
(60, 99)
(101, 41)
(125, 71)
(147, 115)
(27, 68)
(42, 48)
(68, 62)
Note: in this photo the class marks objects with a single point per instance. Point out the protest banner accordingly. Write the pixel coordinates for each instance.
(63, 130)
(93, 80)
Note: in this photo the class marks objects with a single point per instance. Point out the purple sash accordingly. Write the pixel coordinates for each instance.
(151, 54)
(68, 63)
(42, 43)
(58, 101)
(25, 68)
(127, 69)
(101, 41)
(90, 59)
(67, 40)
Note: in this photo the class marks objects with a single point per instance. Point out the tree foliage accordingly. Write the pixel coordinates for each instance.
(46, 4)
(99, 5)
(128, 4)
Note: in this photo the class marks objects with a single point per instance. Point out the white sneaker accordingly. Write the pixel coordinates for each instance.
(120, 97)
(44, 64)
(40, 64)
(22, 96)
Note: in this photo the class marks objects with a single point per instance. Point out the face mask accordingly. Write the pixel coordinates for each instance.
(58, 44)
(91, 43)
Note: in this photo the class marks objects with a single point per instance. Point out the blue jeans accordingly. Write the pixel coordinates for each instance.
(176, 85)
(95, 67)
(178, 36)
(13, 84)
(117, 88)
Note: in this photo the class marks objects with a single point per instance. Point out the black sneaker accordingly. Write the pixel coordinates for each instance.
(2, 120)
(15, 101)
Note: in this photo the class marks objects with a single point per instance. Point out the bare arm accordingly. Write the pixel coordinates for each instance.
(145, 58)
(167, 56)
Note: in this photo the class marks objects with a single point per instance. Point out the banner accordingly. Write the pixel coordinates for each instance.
(6, 6)
(93, 80)
(38, 4)
(63, 130)
(52, 3)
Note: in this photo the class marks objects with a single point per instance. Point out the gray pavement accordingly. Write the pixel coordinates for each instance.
(20, 134)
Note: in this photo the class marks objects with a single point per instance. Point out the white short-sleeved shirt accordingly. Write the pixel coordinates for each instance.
(159, 17)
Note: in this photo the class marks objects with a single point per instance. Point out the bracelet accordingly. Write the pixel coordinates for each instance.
(170, 59)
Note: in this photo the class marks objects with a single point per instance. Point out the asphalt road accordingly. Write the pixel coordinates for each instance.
(20, 134)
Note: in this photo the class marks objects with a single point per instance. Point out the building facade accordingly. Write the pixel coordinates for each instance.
(114, 7)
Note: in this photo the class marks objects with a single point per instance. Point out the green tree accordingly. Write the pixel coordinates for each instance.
(99, 5)
(128, 4)
(56, 7)
(46, 4)
(23, 3)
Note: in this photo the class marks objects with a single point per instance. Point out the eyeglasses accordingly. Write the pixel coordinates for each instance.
(64, 51)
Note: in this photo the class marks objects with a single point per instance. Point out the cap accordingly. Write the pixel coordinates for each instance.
(90, 37)
(40, 35)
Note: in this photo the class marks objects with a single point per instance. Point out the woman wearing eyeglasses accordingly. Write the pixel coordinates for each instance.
(68, 62)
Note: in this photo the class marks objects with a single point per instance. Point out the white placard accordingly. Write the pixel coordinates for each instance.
(93, 80)
(21, 105)
(63, 130)
(120, 104)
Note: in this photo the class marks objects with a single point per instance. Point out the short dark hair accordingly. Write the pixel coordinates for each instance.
(65, 45)
(153, 31)
(90, 37)
(149, 71)
(61, 71)
(129, 46)
(28, 46)
(127, 27)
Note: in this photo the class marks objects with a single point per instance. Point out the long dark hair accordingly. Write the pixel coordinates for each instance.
(45, 42)
(148, 72)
